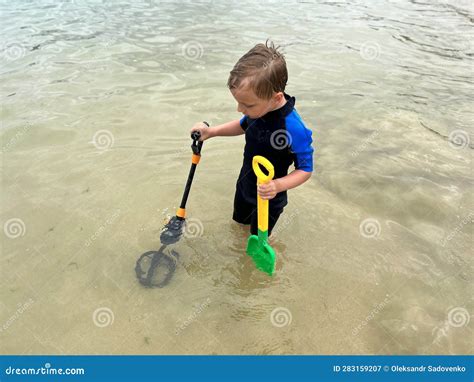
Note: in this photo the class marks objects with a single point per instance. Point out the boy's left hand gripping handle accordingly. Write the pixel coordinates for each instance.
(197, 144)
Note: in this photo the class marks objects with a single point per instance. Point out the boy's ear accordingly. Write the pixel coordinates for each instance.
(278, 97)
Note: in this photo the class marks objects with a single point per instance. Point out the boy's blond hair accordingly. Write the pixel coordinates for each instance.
(265, 69)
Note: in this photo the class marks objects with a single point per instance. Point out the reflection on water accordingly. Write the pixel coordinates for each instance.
(98, 98)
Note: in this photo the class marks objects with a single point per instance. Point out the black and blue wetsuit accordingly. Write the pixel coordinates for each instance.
(282, 137)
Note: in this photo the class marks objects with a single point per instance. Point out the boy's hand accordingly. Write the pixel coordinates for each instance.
(203, 129)
(268, 190)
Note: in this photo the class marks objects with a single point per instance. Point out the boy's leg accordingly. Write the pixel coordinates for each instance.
(243, 211)
(273, 215)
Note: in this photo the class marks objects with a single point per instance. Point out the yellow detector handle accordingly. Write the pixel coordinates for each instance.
(262, 205)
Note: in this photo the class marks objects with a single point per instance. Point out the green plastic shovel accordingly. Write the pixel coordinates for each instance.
(258, 248)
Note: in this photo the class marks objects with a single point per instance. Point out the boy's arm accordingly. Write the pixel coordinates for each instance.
(226, 129)
(292, 180)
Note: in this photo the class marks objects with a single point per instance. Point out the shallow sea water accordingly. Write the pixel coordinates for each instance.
(373, 252)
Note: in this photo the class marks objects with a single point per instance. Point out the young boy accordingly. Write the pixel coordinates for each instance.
(272, 129)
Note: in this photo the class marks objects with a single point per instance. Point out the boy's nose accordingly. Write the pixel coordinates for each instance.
(240, 109)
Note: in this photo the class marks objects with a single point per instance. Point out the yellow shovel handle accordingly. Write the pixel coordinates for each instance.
(259, 160)
(262, 205)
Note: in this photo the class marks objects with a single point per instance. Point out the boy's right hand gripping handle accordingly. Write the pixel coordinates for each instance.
(262, 205)
(197, 145)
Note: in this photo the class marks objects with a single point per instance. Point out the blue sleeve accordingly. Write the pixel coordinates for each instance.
(301, 142)
(244, 123)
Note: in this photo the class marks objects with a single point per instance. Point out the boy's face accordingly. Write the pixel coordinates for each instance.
(252, 106)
